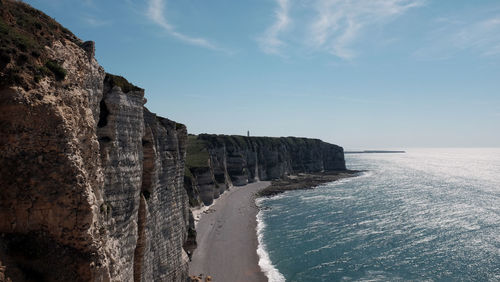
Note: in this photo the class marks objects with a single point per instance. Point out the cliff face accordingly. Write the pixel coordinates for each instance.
(216, 162)
(164, 200)
(91, 183)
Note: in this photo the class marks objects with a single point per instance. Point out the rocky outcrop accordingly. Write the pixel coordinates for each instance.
(216, 162)
(91, 183)
(167, 212)
(119, 130)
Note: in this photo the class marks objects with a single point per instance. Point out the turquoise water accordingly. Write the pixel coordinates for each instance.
(427, 215)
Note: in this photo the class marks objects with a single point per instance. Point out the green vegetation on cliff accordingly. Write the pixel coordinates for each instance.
(197, 153)
(243, 141)
(56, 69)
(24, 32)
(120, 81)
(220, 140)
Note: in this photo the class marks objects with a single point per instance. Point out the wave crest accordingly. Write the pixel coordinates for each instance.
(265, 262)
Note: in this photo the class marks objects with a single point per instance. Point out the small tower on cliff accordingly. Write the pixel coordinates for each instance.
(248, 133)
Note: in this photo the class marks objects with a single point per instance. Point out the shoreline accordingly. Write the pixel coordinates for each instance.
(229, 238)
(304, 181)
(265, 263)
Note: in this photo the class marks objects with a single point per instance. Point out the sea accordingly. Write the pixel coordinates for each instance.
(425, 215)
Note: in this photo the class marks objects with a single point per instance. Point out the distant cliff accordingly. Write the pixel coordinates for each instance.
(216, 162)
(91, 182)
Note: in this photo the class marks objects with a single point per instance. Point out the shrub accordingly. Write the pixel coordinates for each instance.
(120, 81)
(56, 69)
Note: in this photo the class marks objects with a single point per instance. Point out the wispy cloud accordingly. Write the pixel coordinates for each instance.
(270, 42)
(341, 22)
(335, 25)
(88, 2)
(480, 36)
(156, 14)
(95, 22)
(483, 36)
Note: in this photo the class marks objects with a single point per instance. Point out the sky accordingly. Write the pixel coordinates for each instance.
(364, 74)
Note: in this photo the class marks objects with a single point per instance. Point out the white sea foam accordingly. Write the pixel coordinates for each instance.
(343, 181)
(366, 174)
(265, 262)
(198, 212)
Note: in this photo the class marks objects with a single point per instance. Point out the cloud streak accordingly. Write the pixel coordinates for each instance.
(339, 23)
(270, 42)
(156, 14)
(480, 36)
(483, 36)
(335, 25)
(95, 22)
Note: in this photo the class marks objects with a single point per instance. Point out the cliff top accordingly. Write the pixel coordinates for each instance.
(199, 145)
(24, 32)
(239, 140)
(120, 81)
(197, 152)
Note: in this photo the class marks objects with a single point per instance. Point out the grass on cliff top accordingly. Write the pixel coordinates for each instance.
(24, 31)
(180, 126)
(299, 141)
(229, 140)
(239, 141)
(197, 152)
(120, 81)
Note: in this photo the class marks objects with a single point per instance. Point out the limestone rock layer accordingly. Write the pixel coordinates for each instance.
(91, 183)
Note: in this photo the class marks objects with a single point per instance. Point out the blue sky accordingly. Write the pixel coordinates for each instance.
(358, 73)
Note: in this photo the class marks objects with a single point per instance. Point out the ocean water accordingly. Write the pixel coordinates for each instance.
(427, 215)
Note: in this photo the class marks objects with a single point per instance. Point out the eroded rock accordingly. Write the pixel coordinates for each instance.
(91, 183)
(217, 162)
